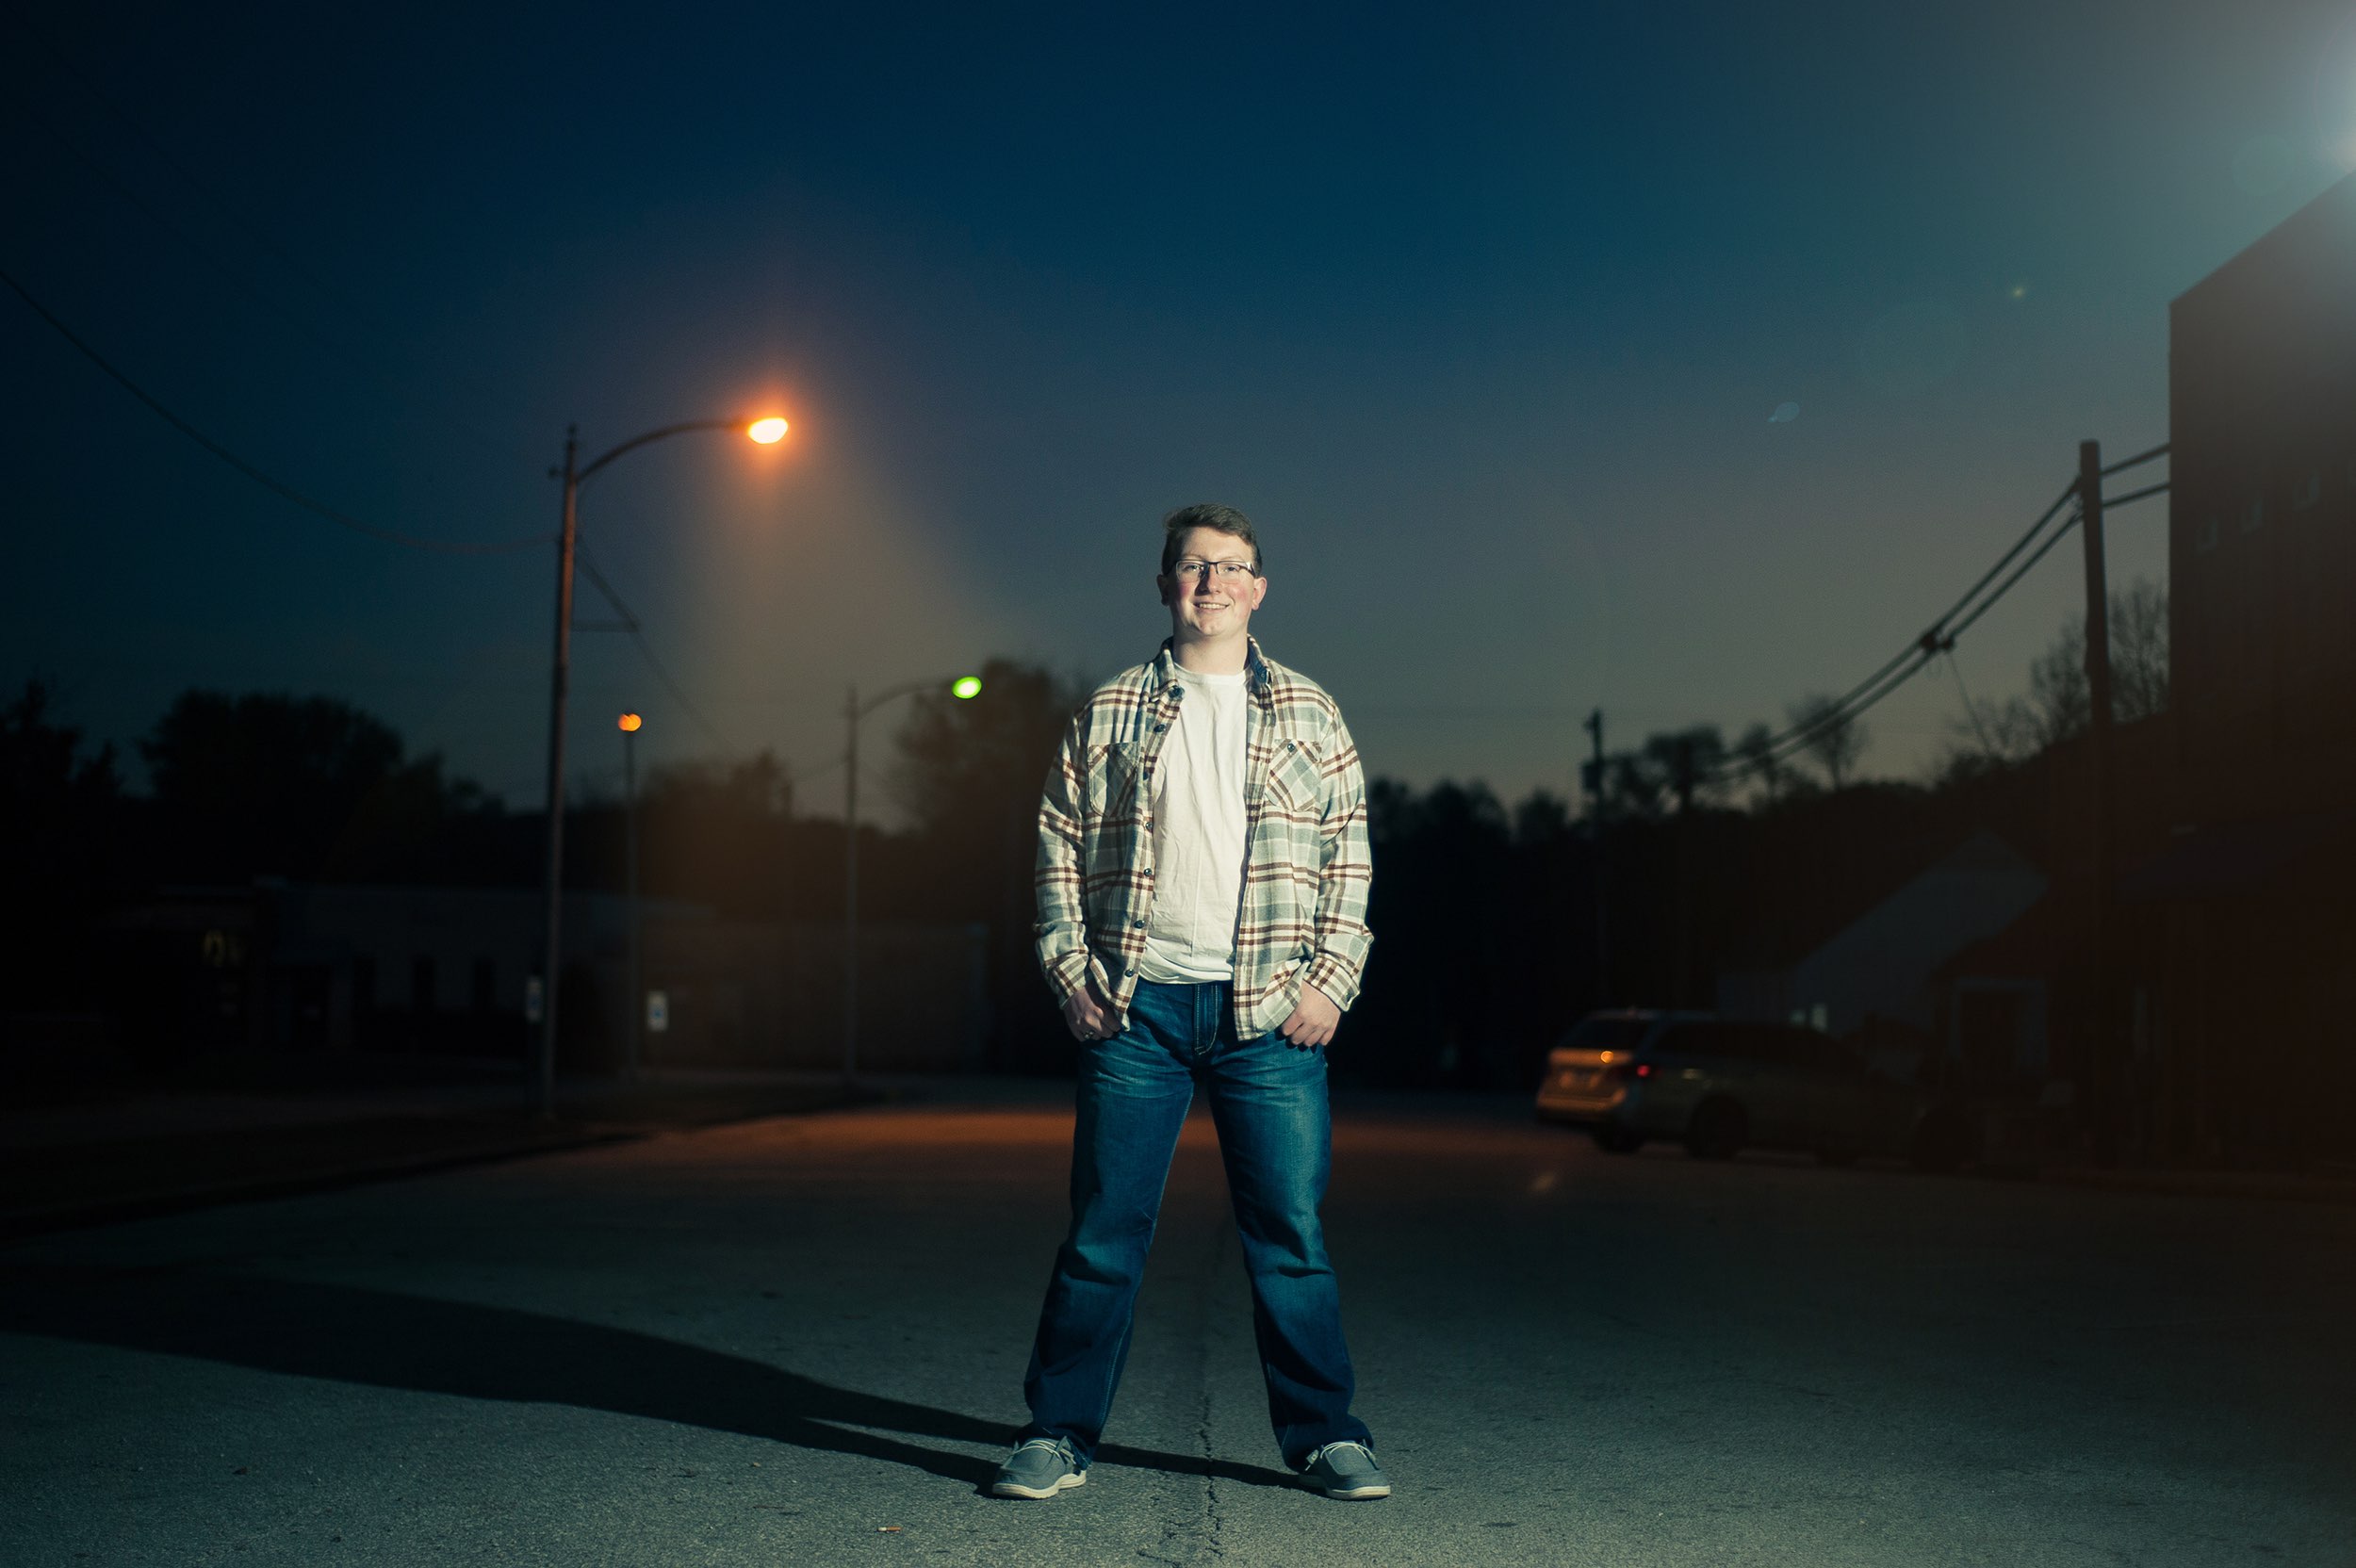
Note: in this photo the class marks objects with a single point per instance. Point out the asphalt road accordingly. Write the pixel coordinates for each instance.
(800, 1342)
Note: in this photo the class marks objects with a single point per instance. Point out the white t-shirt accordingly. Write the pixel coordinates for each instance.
(1199, 830)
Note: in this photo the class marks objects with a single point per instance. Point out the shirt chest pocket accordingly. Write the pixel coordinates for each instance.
(1295, 777)
(1113, 777)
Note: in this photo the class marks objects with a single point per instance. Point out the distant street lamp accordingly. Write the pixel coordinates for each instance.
(964, 688)
(629, 725)
(767, 432)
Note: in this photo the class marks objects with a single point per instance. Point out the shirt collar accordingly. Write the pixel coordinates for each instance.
(1163, 672)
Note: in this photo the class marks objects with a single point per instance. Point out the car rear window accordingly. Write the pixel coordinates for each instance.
(1607, 1034)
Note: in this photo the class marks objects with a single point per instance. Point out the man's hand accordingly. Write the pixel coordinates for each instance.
(1312, 1021)
(1088, 1017)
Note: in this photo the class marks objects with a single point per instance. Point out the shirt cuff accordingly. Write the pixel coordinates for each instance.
(1337, 978)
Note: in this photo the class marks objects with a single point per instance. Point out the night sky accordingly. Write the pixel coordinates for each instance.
(1483, 316)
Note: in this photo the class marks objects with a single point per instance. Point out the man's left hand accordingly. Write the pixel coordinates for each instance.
(1312, 1021)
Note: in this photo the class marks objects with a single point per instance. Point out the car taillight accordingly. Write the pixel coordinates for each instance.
(1641, 1069)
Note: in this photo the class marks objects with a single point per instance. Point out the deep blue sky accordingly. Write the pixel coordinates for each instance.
(1483, 316)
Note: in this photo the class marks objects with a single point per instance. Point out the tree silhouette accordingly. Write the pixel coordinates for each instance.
(1771, 775)
(2056, 705)
(63, 840)
(1835, 740)
(1687, 762)
(300, 787)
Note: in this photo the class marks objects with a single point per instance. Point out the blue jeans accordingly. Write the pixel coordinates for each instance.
(1268, 1101)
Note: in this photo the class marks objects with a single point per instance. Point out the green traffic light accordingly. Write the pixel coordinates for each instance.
(966, 686)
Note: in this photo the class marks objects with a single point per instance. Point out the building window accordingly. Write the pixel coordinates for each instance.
(2253, 516)
(421, 984)
(2207, 539)
(2307, 491)
(486, 984)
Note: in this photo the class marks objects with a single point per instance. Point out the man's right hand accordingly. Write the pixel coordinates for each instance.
(1087, 1017)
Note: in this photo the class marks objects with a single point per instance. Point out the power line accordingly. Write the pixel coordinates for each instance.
(638, 635)
(163, 151)
(1938, 637)
(2059, 534)
(271, 299)
(1897, 672)
(1971, 709)
(276, 486)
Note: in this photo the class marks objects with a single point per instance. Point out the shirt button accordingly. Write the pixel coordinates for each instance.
(1160, 728)
(1138, 924)
(1128, 971)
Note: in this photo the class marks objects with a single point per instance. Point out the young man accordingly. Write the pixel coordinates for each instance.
(1202, 876)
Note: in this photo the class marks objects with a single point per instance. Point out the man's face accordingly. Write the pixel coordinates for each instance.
(1206, 605)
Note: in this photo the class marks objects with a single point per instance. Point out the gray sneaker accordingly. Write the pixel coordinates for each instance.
(1040, 1468)
(1347, 1470)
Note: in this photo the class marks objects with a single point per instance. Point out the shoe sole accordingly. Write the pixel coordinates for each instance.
(1355, 1494)
(1062, 1483)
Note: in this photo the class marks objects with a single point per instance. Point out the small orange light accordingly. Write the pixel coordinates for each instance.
(767, 432)
(631, 722)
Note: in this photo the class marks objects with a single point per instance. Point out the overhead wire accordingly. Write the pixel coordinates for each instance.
(270, 299)
(1938, 637)
(252, 471)
(630, 619)
(164, 152)
(645, 651)
(628, 622)
(1898, 670)
(1970, 708)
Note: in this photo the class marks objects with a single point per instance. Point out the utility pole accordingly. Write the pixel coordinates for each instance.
(1594, 782)
(1683, 778)
(850, 886)
(554, 957)
(2106, 1064)
(765, 432)
(637, 1009)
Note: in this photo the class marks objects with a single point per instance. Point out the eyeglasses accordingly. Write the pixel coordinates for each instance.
(1220, 571)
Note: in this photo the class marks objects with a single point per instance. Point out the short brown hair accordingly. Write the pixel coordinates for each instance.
(1210, 514)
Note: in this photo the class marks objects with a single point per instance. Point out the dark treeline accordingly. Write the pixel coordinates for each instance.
(1486, 915)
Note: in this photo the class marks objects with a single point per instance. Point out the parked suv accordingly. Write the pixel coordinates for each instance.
(1718, 1085)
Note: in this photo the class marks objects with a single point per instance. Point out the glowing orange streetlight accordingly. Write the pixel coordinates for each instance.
(631, 724)
(768, 432)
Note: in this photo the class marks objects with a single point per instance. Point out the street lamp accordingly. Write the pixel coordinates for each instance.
(767, 432)
(629, 725)
(964, 688)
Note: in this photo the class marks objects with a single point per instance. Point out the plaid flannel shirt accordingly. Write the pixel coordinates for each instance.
(1308, 863)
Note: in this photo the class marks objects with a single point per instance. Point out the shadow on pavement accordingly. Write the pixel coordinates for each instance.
(389, 1340)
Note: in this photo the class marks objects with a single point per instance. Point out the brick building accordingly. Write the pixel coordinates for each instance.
(2242, 929)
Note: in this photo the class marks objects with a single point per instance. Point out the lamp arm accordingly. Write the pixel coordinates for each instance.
(906, 688)
(637, 441)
